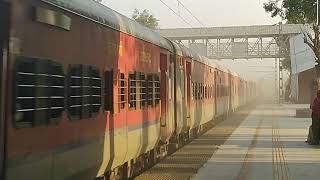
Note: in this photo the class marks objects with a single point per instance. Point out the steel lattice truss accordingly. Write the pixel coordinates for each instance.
(237, 42)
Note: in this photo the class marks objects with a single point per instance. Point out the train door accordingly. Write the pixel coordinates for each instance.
(230, 93)
(188, 85)
(163, 87)
(215, 93)
(4, 34)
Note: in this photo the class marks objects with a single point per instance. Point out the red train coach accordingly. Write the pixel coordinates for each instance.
(89, 93)
(81, 104)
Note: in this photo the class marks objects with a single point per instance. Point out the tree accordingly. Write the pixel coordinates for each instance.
(286, 64)
(294, 11)
(312, 39)
(299, 11)
(145, 18)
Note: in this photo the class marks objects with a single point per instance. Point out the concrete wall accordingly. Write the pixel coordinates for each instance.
(305, 80)
(302, 61)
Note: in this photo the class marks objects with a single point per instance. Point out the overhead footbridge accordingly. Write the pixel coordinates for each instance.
(237, 42)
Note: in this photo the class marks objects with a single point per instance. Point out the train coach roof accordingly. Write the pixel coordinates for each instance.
(221, 67)
(108, 17)
(182, 50)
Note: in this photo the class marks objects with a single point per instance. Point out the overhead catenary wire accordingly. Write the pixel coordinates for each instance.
(191, 13)
(175, 13)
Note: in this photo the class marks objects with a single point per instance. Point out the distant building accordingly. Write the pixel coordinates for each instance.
(303, 72)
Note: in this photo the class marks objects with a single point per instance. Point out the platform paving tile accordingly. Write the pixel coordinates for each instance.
(269, 144)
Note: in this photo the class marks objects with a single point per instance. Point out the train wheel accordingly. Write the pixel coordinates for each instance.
(101, 178)
(119, 173)
(130, 169)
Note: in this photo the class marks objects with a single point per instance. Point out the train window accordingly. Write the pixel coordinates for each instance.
(201, 91)
(150, 89)
(84, 95)
(143, 90)
(205, 92)
(122, 91)
(133, 90)
(39, 92)
(157, 89)
(193, 91)
(108, 91)
(95, 89)
(139, 90)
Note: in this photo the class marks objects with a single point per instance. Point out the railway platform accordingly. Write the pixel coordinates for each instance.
(265, 142)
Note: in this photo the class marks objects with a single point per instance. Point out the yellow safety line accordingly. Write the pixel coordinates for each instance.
(280, 168)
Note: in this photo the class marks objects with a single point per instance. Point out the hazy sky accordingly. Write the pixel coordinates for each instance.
(210, 12)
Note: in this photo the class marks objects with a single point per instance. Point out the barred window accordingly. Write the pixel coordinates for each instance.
(133, 85)
(143, 89)
(153, 93)
(157, 89)
(84, 91)
(193, 91)
(198, 91)
(205, 92)
(39, 92)
(150, 90)
(202, 91)
(122, 91)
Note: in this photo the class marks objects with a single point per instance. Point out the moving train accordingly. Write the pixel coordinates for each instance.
(87, 93)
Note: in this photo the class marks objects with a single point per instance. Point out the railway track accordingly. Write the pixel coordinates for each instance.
(186, 162)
